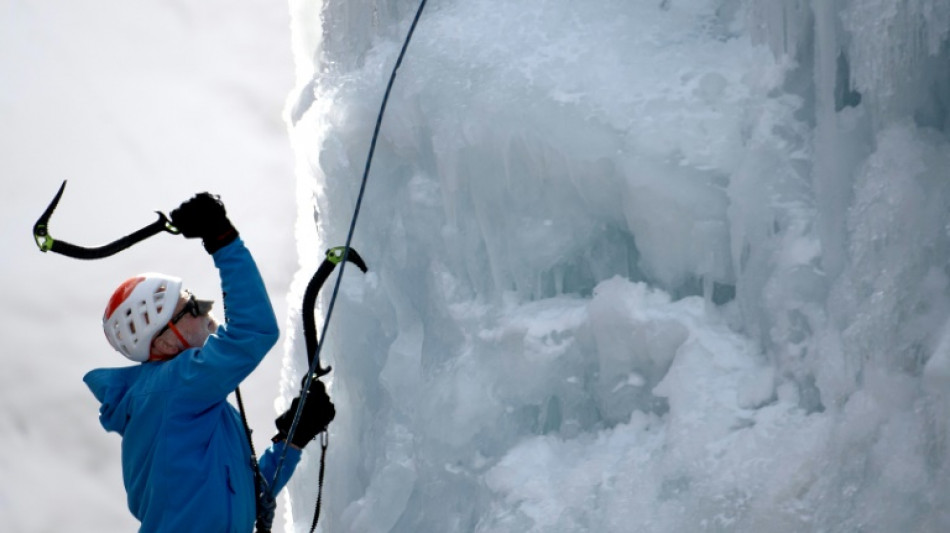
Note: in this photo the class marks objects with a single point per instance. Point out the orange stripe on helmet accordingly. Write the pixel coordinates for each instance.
(121, 294)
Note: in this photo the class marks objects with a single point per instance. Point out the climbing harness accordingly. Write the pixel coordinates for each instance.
(47, 243)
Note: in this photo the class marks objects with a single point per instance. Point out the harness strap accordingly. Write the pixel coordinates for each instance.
(266, 503)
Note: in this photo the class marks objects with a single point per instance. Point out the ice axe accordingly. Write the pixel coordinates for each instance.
(47, 243)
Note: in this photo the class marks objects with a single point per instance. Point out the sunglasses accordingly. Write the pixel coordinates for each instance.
(193, 307)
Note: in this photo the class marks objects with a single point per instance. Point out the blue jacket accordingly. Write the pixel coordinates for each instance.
(185, 456)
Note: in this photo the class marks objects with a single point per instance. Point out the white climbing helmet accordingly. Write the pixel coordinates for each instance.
(137, 310)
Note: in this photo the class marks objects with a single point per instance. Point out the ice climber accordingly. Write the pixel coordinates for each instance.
(186, 459)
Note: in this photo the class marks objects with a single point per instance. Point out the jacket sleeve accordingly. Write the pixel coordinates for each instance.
(268, 464)
(208, 374)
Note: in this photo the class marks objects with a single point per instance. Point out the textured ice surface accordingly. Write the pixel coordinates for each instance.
(636, 266)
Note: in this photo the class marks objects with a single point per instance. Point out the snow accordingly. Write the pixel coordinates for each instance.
(634, 266)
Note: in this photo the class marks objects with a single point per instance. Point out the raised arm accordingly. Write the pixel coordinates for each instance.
(213, 371)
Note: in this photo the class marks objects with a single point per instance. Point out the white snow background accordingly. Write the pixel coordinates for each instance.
(139, 105)
(661, 266)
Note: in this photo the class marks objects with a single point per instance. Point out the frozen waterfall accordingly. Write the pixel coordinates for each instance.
(654, 266)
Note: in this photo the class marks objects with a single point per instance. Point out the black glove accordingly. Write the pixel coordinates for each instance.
(317, 414)
(204, 216)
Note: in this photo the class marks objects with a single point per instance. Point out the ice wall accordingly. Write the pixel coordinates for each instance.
(635, 266)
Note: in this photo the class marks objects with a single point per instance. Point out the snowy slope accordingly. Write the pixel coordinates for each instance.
(664, 266)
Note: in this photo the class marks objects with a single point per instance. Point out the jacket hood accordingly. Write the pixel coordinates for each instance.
(111, 386)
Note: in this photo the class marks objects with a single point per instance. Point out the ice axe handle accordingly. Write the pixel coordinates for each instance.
(47, 243)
